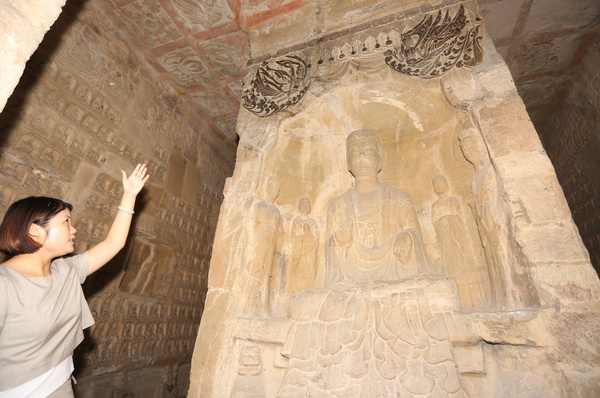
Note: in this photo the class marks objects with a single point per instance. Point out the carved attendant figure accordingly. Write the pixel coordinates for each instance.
(447, 220)
(305, 243)
(234, 236)
(508, 289)
(42, 308)
(265, 244)
(456, 260)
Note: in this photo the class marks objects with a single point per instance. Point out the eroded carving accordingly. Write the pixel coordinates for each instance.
(275, 86)
(186, 65)
(456, 258)
(263, 251)
(204, 14)
(304, 236)
(510, 284)
(435, 46)
(378, 327)
(143, 275)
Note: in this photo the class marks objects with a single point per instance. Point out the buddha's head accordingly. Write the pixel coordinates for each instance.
(363, 153)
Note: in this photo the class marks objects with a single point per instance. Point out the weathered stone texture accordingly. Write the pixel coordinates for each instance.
(84, 109)
(24, 24)
(496, 272)
(88, 106)
(573, 145)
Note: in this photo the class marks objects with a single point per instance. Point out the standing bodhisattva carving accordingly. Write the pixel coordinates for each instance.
(433, 47)
(263, 250)
(456, 259)
(511, 286)
(304, 236)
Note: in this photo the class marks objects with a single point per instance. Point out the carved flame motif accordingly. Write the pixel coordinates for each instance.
(433, 47)
(273, 89)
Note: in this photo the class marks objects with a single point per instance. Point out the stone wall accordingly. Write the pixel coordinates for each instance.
(84, 109)
(573, 145)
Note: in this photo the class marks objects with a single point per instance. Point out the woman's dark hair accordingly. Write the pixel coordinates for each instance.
(14, 230)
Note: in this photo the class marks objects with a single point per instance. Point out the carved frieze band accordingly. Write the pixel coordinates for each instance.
(438, 42)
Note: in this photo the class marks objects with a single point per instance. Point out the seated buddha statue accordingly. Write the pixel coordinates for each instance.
(373, 232)
(378, 326)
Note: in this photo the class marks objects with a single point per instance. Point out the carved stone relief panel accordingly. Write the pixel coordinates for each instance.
(222, 53)
(274, 88)
(187, 66)
(149, 267)
(425, 46)
(204, 14)
(83, 112)
(150, 22)
(392, 253)
(337, 239)
(437, 44)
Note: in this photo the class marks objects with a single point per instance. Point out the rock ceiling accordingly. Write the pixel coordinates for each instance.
(200, 47)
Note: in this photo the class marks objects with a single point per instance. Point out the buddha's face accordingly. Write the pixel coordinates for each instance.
(363, 155)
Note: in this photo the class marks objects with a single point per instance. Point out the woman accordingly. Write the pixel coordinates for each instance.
(42, 308)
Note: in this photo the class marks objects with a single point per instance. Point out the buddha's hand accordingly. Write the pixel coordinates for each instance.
(403, 247)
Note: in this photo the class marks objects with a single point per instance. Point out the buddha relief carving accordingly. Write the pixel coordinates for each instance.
(378, 327)
(234, 237)
(249, 382)
(264, 249)
(511, 287)
(305, 245)
(456, 258)
(372, 229)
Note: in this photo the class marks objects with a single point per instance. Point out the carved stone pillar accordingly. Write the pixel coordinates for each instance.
(413, 289)
(24, 25)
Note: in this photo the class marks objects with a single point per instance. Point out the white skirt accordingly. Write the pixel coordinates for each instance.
(43, 385)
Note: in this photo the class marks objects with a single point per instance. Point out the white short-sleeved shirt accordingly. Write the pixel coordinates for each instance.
(41, 319)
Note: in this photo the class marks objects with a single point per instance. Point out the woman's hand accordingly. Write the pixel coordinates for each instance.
(117, 234)
(135, 182)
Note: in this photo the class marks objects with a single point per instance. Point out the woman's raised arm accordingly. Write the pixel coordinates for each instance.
(104, 251)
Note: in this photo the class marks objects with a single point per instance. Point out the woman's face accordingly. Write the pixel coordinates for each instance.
(60, 234)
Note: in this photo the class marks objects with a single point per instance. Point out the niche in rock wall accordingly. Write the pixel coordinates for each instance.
(148, 267)
(421, 154)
